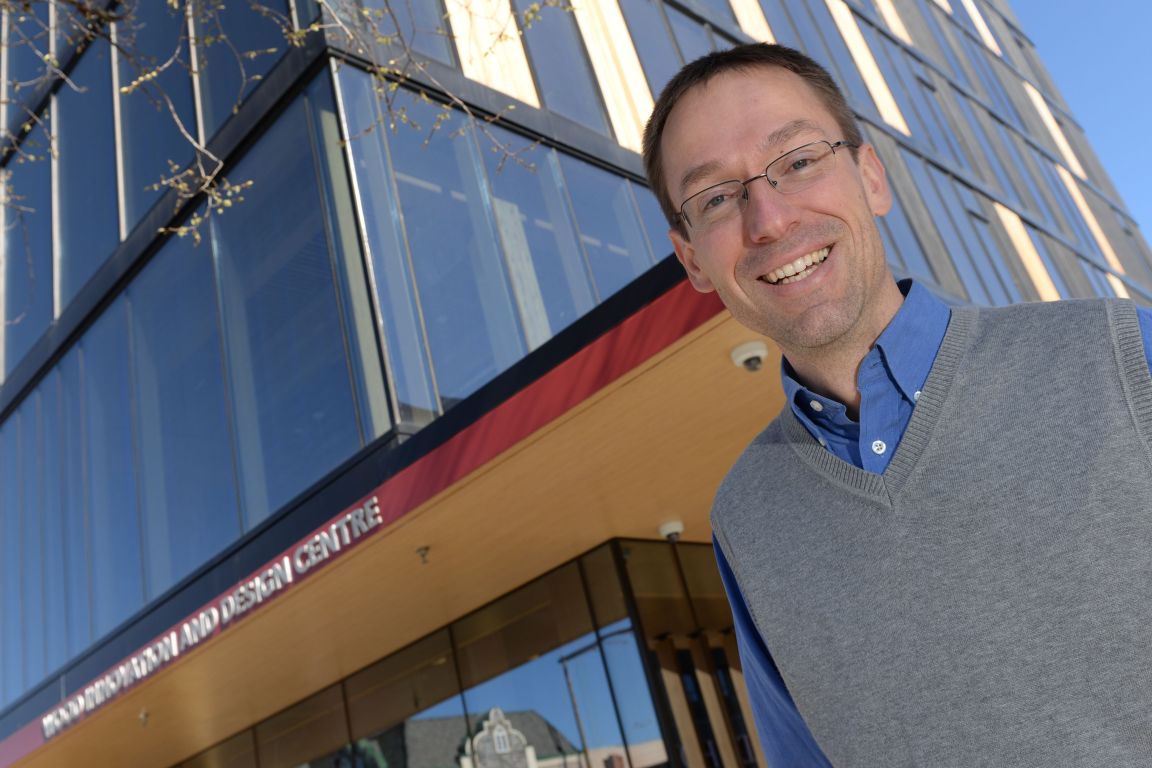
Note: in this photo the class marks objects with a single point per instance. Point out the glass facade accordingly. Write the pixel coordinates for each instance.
(621, 658)
(393, 244)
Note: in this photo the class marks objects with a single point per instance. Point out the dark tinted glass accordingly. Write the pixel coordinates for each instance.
(78, 592)
(407, 707)
(610, 228)
(11, 631)
(402, 324)
(533, 675)
(563, 74)
(89, 225)
(150, 138)
(288, 369)
(304, 731)
(473, 329)
(550, 278)
(27, 247)
(32, 541)
(187, 482)
(116, 567)
(239, 43)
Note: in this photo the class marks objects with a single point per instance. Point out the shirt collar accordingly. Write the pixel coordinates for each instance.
(910, 342)
(908, 346)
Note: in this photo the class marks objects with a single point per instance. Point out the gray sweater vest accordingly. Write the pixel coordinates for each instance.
(988, 599)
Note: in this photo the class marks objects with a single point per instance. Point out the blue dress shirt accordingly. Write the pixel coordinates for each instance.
(889, 379)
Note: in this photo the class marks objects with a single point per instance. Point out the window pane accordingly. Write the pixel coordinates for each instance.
(25, 48)
(303, 731)
(11, 634)
(612, 234)
(395, 293)
(407, 707)
(32, 546)
(78, 592)
(88, 227)
(238, 42)
(693, 39)
(658, 54)
(117, 581)
(549, 274)
(473, 330)
(150, 139)
(50, 461)
(27, 247)
(560, 62)
(420, 24)
(187, 482)
(294, 403)
(654, 222)
(534, 677)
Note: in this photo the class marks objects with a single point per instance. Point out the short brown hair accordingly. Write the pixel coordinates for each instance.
(739, 58)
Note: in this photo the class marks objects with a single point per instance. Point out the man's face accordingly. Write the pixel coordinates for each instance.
(731, 128)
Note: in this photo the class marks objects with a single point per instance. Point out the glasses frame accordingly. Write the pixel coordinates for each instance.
(775, 184)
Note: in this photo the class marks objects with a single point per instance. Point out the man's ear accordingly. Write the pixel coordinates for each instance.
(686, 253)
(876, 189)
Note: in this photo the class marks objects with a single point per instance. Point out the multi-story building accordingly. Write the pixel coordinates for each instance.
(376, 472)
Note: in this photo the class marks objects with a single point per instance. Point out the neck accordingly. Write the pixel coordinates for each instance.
(832, 369)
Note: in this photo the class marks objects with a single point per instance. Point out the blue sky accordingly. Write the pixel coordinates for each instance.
(1100, 56)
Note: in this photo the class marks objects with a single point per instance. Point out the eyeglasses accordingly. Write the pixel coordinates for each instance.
(792, 172)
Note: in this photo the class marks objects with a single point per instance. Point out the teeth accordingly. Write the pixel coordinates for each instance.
(797, 270)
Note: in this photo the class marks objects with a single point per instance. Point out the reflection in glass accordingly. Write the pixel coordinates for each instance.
(26, 43)
(32, 545)
(691, 36)
(49, 458)
(294, 402)
(650, 34)
(549, 274)
(117, 581)
(11, 634)
(419, 24)
(530, 664)
(610, 229)
(304, 731)
(78, 592)
(88, 228)
(150, 138)
(658, 590)
(560, 62)
(469, 312)
(402, 325)
(237, 44)
(187, 482)
(405, 710)
(27, 244)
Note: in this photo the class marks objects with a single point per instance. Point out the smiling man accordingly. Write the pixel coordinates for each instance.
(940, 553)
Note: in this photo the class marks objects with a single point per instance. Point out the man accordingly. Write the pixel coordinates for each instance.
(940, 552)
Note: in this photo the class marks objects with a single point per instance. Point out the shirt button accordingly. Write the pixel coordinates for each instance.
(916, 395)
(878, 447)
(823, 443)
(816, 405)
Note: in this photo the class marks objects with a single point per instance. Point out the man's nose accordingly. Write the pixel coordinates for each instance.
(768, 215)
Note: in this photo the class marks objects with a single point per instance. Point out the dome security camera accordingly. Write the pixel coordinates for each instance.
(749, 355)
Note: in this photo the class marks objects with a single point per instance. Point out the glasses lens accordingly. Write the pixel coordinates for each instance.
(802, 167)
(714, 204)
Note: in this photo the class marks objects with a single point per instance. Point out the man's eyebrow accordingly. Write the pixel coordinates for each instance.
(786, 133)
(781, 135)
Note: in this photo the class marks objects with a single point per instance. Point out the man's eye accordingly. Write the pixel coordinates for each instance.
(715, 200)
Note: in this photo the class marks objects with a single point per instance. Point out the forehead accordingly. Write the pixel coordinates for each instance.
(737, 121)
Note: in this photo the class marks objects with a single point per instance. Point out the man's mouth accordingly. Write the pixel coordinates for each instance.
(797, 270)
